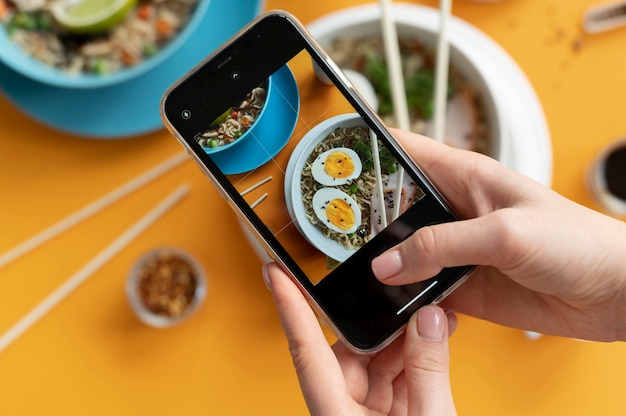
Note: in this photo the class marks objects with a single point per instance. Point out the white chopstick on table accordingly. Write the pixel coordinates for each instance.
(396, 81)
(92, 208)
(258, 201)
(441, 71)
(83, 274)
(256, 185)
(253, 187)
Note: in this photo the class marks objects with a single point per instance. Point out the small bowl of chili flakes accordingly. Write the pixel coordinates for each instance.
(165, 286)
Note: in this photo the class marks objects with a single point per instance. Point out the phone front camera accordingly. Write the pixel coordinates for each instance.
(234, 76)
(185, 114)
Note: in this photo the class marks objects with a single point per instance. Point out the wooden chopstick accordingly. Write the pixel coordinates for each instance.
(258, 201)
(394, 63)
(392, 52)
(398, 91)
(256, 185)
(379, 179)
(91, 267)
(91, 209)
(441, 71)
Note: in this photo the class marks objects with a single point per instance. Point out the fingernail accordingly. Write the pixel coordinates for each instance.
(431, 323)
(266, 276)
(453, 321)
(387, 265)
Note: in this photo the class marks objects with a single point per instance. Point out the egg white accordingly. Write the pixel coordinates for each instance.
(323, 197)
(320, 175)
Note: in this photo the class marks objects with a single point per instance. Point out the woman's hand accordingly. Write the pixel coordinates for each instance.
(547, 264)
(410, 376)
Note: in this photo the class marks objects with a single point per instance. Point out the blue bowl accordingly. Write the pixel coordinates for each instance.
(15, 58)
(269, 133)
(270, 102)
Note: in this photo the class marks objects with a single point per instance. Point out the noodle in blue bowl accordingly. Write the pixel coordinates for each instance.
(33, 44)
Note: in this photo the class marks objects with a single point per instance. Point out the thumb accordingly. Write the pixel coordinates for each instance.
(480, 241)
(427, 363)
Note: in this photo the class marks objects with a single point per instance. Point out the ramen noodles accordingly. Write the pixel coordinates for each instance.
(147, 28)
(235, 121)
(347, 211)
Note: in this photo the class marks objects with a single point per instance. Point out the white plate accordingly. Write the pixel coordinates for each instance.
(526, 131)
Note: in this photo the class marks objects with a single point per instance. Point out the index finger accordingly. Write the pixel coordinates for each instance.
(320, 376)
(466, 179)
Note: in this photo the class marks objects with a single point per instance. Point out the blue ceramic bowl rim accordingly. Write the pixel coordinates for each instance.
(250, 131)
(272, 133)
(15, 58)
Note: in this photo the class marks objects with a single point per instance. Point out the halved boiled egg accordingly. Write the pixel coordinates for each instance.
(337, 210)
(336, 166)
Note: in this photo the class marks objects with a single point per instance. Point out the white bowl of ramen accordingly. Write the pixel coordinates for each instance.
(308, 190)
(33, 44)
(475, 118)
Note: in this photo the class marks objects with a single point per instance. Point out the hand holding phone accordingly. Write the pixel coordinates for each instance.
(312, 171)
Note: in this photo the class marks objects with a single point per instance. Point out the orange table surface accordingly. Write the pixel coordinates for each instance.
(90, 355)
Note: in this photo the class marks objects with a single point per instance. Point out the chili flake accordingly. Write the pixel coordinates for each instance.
(167, 284)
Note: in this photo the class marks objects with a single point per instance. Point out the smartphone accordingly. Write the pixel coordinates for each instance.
(312, 171)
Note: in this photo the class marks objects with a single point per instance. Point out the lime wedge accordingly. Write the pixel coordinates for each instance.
(223, 117)
(91, 16)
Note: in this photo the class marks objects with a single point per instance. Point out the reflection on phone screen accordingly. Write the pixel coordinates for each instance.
(309, 166)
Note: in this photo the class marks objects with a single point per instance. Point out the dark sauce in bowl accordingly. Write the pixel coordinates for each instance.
(607, 178)
(615, 172)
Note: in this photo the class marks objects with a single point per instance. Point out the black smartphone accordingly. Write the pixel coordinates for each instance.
(312, 171)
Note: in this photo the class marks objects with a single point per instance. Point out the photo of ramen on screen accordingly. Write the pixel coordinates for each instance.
(325, 185)
(313, 173)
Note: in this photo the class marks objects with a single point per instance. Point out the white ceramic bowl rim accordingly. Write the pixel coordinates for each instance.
(413, 19)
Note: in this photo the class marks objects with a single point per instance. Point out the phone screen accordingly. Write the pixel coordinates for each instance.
(315, 172)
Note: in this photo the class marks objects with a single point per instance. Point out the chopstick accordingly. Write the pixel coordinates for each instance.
(441, 71)
(398, 91)
(379, 179)
(253, 187)
(605, 16)
(91, 267)
(392, 52)
(394, 63)
(256, 185)
(258, 201)
(91, 209)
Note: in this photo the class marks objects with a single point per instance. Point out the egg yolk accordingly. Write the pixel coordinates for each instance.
(340, 214)
(338, 165)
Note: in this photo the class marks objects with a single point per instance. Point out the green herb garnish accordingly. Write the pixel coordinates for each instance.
(363, 148)
(419, 86)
